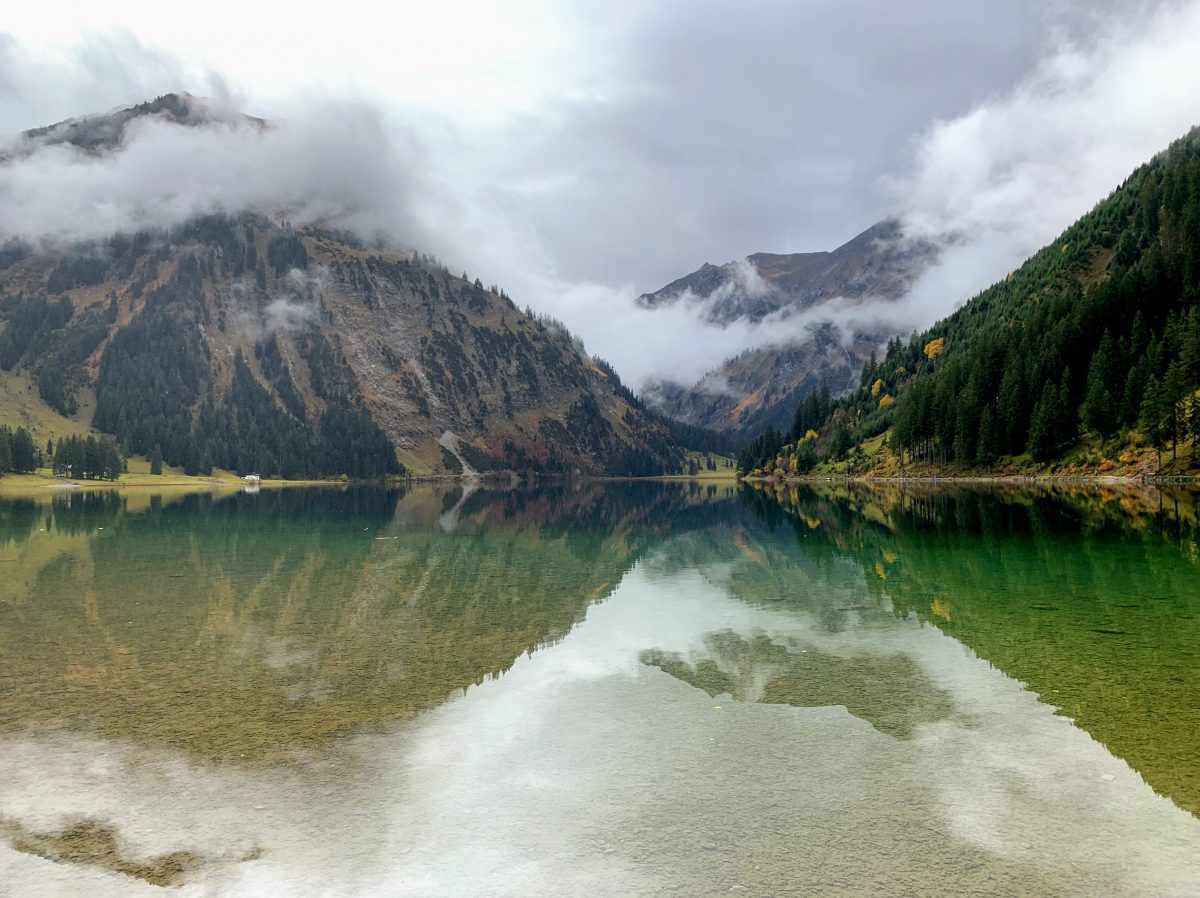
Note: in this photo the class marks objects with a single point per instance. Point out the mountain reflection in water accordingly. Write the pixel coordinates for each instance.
(595, 690)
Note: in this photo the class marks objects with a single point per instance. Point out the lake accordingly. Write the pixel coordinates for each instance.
(643, 689)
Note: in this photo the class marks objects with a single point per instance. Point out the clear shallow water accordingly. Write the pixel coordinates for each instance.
(605, 690)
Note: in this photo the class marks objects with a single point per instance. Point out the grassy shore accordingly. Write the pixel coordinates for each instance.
(44, 482)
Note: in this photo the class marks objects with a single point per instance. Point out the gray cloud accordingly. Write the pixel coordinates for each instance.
(708, 132)
(327, 161)
(991, 185)
(996, 184)
(99, 73)
(727, 130)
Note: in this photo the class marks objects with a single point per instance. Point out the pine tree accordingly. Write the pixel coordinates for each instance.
(868, 371)
(1099, 411)
(1194, 421)
(1153, 417)
(988, 449)
(1047, 428)
(1174, 394)
(5, 449)
(841, 443)
(1011, 418)
(156, 460)
(24, 455)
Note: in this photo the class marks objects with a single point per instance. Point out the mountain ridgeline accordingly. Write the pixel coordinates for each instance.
(240, 342)
(1087, 353)
(793, 294)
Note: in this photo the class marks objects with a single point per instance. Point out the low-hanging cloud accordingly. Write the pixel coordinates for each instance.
(988, 187)
(295, 305)
(993, 186)
(299, 308)
(327, 161)
(581, 206)
(96, 73)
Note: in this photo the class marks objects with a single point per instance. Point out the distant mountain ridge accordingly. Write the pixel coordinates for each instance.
(762, 385)
(878, 262)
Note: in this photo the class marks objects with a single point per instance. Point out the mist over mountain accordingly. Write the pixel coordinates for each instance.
(244, 341)
(809, 300)
(984, 131)
(101, 133)
(578, 193)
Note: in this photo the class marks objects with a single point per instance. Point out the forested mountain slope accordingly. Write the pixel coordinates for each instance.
(1087, 352)
(250, 345)
(241, 342)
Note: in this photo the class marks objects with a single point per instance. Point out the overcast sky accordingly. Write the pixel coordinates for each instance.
(581, 153)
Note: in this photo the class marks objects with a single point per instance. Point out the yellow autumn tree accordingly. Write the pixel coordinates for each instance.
(876, 387)
(885, 400)
(934, 348)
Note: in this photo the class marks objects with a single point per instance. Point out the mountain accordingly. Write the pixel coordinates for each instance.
(242, 342)
(439, 606)
(1087, 357)
(879, 262)
(106, 132)
(762, 385)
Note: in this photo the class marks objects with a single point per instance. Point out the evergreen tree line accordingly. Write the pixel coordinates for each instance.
(52, 340)
(769, 454)
(690, 436)
(157, 395)
(1097, 333)
(87, 458)
(17, 451)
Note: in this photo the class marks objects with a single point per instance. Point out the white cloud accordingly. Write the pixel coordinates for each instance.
(335, 162)
(1003, 180)
(628, 164)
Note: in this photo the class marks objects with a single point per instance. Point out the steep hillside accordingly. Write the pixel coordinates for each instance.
(242, 342)
(1088, 355)
(761, 386)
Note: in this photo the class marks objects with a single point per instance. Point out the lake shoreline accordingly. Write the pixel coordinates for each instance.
(1008, 479)
(42, 484)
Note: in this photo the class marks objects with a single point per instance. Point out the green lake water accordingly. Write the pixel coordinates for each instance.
(601, 690)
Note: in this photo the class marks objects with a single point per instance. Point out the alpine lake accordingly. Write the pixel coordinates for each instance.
(602, 689)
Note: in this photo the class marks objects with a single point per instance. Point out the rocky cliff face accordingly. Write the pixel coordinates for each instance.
(762, 386)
